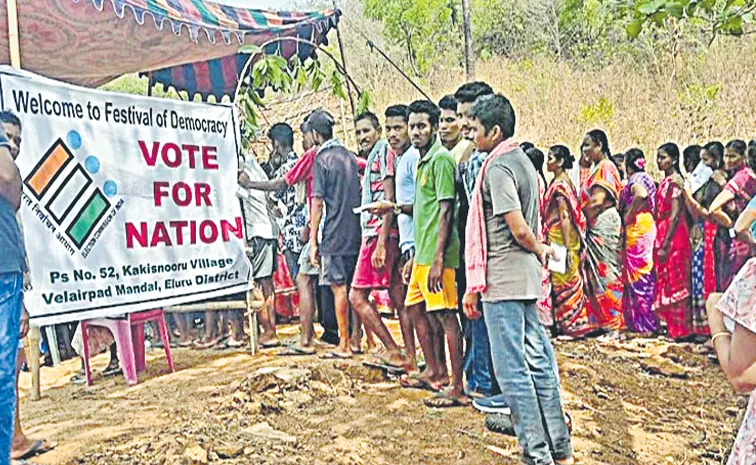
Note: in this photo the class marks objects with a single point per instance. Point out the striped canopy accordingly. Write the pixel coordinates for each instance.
(188, 44)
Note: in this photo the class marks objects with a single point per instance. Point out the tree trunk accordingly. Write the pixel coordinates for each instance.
(469, 62)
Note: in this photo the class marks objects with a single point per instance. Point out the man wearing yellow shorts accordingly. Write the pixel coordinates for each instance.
(436, 256)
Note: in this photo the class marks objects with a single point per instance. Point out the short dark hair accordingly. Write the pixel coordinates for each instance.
(322, 123)
(469, 93)
(370, 116)
(396, 111)
(495, 110)
(427, 107)
(448, 102)
(525, 146)
(7, 116)
(561, 152)
(751, 158)
(281, 133)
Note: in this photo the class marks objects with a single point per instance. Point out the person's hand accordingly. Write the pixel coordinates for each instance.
(678, 180)
(662, 255)
(244, 179)
(314, 258)
(407, 270)
(435, 277)
(719, 177)
(379, 255)
(304, 235)
(24, 328)
(544, 252)
(383, 207)
(720, 218)
(470, 306)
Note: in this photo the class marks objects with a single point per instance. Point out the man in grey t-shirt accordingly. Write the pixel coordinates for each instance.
(528, 379)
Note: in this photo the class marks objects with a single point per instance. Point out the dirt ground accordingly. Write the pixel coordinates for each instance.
(636, 402)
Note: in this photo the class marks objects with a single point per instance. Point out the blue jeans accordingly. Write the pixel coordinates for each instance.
(478, 358)
(526, 369)
(11, 302)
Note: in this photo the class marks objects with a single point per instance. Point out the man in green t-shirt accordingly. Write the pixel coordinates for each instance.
(436, 256)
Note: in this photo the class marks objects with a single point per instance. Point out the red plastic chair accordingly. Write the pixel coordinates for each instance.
(129, 338)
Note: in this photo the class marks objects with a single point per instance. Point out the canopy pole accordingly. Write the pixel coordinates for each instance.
(13, 43)
(343, 64)
(150, 83)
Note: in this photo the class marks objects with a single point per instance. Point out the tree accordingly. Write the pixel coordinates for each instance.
(714, 17)
(426, 29)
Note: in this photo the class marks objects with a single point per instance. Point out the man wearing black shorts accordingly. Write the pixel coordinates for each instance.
(335, 193)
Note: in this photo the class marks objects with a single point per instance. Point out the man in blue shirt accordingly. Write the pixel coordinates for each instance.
(12, 267)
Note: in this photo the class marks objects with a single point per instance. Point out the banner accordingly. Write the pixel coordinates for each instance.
(129, 202)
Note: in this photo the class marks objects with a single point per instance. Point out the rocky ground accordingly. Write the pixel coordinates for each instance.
(634, 402)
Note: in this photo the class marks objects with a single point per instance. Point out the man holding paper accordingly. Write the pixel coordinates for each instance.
(502, 261)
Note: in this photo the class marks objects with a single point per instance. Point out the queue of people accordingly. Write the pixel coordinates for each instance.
(457, 221)
(447, 220)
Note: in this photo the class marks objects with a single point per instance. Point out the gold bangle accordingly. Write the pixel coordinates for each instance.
(720, 334)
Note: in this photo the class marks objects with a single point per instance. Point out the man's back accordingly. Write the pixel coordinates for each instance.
(336, 181)
(12, 258)
(510, 184)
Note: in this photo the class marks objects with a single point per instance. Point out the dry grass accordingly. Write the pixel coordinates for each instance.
(695, 98)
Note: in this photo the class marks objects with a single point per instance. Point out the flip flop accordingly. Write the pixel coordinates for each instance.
(442, 400)
(296, 351)
(387, 368)
(232, 344)
(112, 371)
(335, 356)
(37, 448)
(270, 345)
(413, 382)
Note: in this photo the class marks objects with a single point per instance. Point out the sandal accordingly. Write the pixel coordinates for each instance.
(415, 382)
(333, 355)
(442, 400)
(112, 371)
(295, 350)
(40, 446)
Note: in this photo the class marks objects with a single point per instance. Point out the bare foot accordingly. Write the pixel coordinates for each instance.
(568, 461)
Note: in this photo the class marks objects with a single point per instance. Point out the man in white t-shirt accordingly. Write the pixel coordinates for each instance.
(261, 234)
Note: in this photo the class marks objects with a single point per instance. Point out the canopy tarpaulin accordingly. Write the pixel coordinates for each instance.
(90, 42)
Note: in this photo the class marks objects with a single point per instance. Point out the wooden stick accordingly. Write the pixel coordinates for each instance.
(215, 306)
(35, 336)
(253, 335)
(344, 65)
(13, 39)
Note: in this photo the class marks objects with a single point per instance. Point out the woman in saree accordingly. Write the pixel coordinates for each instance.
(735, 340)
(732, 201)
(543, 306)
(599, 198)
(708, 244)
(565, 226)
(672, 248)
(638, 208)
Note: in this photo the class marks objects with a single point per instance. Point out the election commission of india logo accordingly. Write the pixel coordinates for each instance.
(74, 207)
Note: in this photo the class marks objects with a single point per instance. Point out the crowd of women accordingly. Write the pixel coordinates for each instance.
(643, 254)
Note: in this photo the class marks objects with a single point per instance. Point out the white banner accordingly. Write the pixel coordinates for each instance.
(129, 202)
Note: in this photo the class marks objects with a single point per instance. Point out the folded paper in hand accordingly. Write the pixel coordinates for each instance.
(382, 204)
(558, 263)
